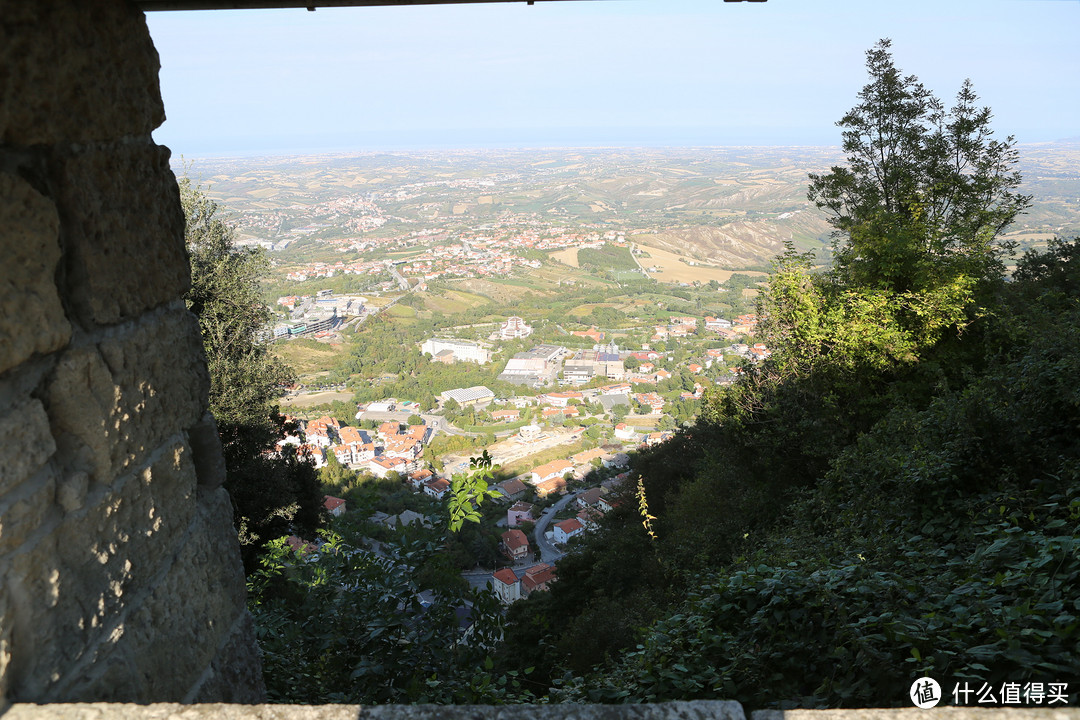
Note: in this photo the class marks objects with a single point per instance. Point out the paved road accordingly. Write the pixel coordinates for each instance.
(633, 247)
(435, 421)
(401, 281)
(548, 552)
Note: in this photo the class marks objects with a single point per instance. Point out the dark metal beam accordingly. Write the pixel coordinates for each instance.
(150, 5)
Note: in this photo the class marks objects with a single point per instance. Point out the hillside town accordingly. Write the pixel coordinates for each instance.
(582, 413)
(440, 253)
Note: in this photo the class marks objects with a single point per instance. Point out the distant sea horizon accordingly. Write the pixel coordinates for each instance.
(485, 139)
(509, 140)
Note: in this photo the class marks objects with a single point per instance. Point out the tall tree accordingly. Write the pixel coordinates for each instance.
(926, 191)
(272, 493)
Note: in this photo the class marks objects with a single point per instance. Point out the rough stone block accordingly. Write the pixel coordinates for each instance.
(112, 405)
(124, 226)
(81, 401)
(31, 317)
(27, 443)
(235, 675)
(206, 445)
(5, 646)
(25, 510)
(76, 72)
(142, 662)
(678, 710)
(97, 565)
(32, 586)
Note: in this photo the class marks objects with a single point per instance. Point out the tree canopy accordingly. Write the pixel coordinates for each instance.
(894, 492)
(926, 191)
(272, 493)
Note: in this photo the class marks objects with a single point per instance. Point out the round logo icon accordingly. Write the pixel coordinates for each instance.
(925, 693)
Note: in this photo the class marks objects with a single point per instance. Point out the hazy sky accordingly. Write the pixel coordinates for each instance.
(596, 72)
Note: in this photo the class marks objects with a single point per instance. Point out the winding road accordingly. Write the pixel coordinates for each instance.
(548, 552)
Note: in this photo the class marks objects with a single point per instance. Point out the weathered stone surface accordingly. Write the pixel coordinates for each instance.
(113, 404)
(695, 710)
(160, 371)
(5, 646)
(120, 575)
(124, 229)
(92, 568)
(27, 443)
(32, 587)
(206, 446)
(235, 675)
(171, 636)
(71, 491)
(31, 317)
(25, 510)
(81, 400)
(76, 72)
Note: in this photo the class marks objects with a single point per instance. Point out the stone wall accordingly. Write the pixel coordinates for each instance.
(121, 576)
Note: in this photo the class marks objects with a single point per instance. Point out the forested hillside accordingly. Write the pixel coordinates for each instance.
(894, 493)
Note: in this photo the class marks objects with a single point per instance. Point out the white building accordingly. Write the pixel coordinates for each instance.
(468, 396)
(462, 350)
(506, 585)
(513, 328)
(568, 529)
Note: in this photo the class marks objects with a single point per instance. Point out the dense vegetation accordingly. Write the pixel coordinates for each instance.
(272, 494)
(894, 493)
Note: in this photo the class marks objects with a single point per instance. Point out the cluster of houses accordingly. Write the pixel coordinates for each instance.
(464, 260)
(508, 587)
(743, 325)
(318, 315)
(511, 584)
(393, 447)
(474, 256)
(329, 270)
(677, 327)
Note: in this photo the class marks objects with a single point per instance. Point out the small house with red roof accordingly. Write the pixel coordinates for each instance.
(505, 415)
(548, 487)
(568, 529)
(553, 469)
(437, 488)
(519, 512)
(514, 544)
(505, 585)
(382, 466)
(334, 505)
(537, 578)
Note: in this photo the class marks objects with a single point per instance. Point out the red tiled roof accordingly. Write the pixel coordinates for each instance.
(514, 539)
(538, 575)
(350, 435)
(569, 526)
(511, 487)
(438, 484)
(505, 576)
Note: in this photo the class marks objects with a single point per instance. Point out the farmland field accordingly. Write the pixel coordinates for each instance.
(673, 269)
(566, 257)
(307, 356)
(311, 399)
